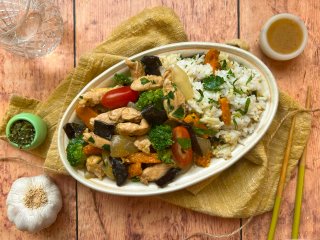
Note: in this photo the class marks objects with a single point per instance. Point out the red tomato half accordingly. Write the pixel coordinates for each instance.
(119, 97)
(181, 148)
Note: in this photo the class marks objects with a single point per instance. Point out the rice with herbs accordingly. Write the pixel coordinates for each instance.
(240, 85)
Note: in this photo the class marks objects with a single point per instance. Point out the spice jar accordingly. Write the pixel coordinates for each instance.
(26, 131)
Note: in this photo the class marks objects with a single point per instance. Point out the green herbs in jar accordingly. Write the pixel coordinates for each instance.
(22, 133)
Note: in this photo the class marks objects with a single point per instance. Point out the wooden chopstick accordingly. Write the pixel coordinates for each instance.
(300, 181)
(281, 183)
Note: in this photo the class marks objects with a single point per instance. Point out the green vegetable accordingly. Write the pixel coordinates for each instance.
(184, 143)
(235, 123)
(150, 97)
(235, 89)
(230, 73)
(75, 154)
(135, 179)
(90, 139)
(161, 137)
(201, 95)
(249, 79)
(144, 81)
(179, 113)
(122, 79)
(106, 147)
(201, 131)
(22, 133)
(246, 107)
(165, 156)
(213, 83)
(224, 65)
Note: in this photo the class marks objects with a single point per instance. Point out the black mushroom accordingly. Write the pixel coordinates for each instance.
(73, 130)
(103, 129)
(154, 116)
(119, 170)
(151, 65)
(194, 140)
(168, 177)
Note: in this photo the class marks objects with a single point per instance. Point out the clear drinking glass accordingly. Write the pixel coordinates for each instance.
(30, 28)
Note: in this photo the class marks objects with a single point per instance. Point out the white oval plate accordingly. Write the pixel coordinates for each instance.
(195, 174)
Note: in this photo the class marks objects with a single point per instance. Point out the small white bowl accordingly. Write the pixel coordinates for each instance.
(265, 47)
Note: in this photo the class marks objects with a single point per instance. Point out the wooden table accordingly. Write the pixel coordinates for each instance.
(87, 23)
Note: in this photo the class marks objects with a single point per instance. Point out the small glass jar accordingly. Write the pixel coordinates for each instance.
(38, 124)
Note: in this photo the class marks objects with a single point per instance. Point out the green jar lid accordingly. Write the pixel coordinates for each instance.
(38, 124)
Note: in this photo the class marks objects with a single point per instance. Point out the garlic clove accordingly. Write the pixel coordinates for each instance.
(33, 203)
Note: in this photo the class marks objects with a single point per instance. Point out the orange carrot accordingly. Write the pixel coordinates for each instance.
(91, 150)
(134, 169)
(194, 119)
(226, 114)
(85, 114)
(212, 57)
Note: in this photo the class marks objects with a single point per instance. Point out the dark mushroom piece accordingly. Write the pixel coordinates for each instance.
(73, 130)
(154, 116)
(168, 177)
(103, 129)
(151, 65)
(194, 141)
(119, 170)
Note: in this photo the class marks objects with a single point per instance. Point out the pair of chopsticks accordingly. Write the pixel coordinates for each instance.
(300, 183)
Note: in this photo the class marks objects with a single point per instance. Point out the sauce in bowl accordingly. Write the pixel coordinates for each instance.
(283, 37)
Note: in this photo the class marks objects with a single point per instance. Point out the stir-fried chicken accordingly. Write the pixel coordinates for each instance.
(136, 68)
(148, 82)
(92, 97)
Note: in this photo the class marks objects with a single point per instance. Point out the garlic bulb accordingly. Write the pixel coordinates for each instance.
(33, 203)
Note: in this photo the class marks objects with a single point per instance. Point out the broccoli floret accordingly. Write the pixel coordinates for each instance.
(165, 156)
(75, 154)
(150, 97)
(161, 137)
(122, 79)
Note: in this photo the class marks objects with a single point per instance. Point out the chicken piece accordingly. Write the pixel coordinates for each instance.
(148, 82)
(95, 140)
(92, 97)
(175, 102)
(136, 68)
(153, 173)
(94, 164)
(124, 114)
(142, 158)
(143, 144)
(134, 169)
(133, 129)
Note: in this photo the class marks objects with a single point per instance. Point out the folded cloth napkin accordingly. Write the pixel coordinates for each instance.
(246, 189)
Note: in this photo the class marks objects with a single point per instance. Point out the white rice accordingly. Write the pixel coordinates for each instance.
(208, 107)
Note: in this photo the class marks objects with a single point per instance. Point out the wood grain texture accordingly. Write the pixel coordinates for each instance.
(293, 77)
(36, 78)
(147, 218)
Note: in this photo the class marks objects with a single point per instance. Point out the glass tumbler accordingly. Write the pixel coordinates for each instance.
(30, 28)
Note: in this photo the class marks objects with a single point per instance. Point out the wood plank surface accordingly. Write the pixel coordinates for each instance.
(150, 218)
(147, 218)
(292, 77)
(36, 78)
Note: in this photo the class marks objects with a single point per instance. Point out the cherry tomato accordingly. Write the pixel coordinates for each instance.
(181, 147)
(119, 97)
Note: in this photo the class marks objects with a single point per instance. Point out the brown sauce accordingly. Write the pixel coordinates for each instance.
(284, 36)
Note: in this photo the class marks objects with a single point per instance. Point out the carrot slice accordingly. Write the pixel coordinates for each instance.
(85, 114)
(212, 57)
(134, 169)
(226, 114)
(91, 150)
